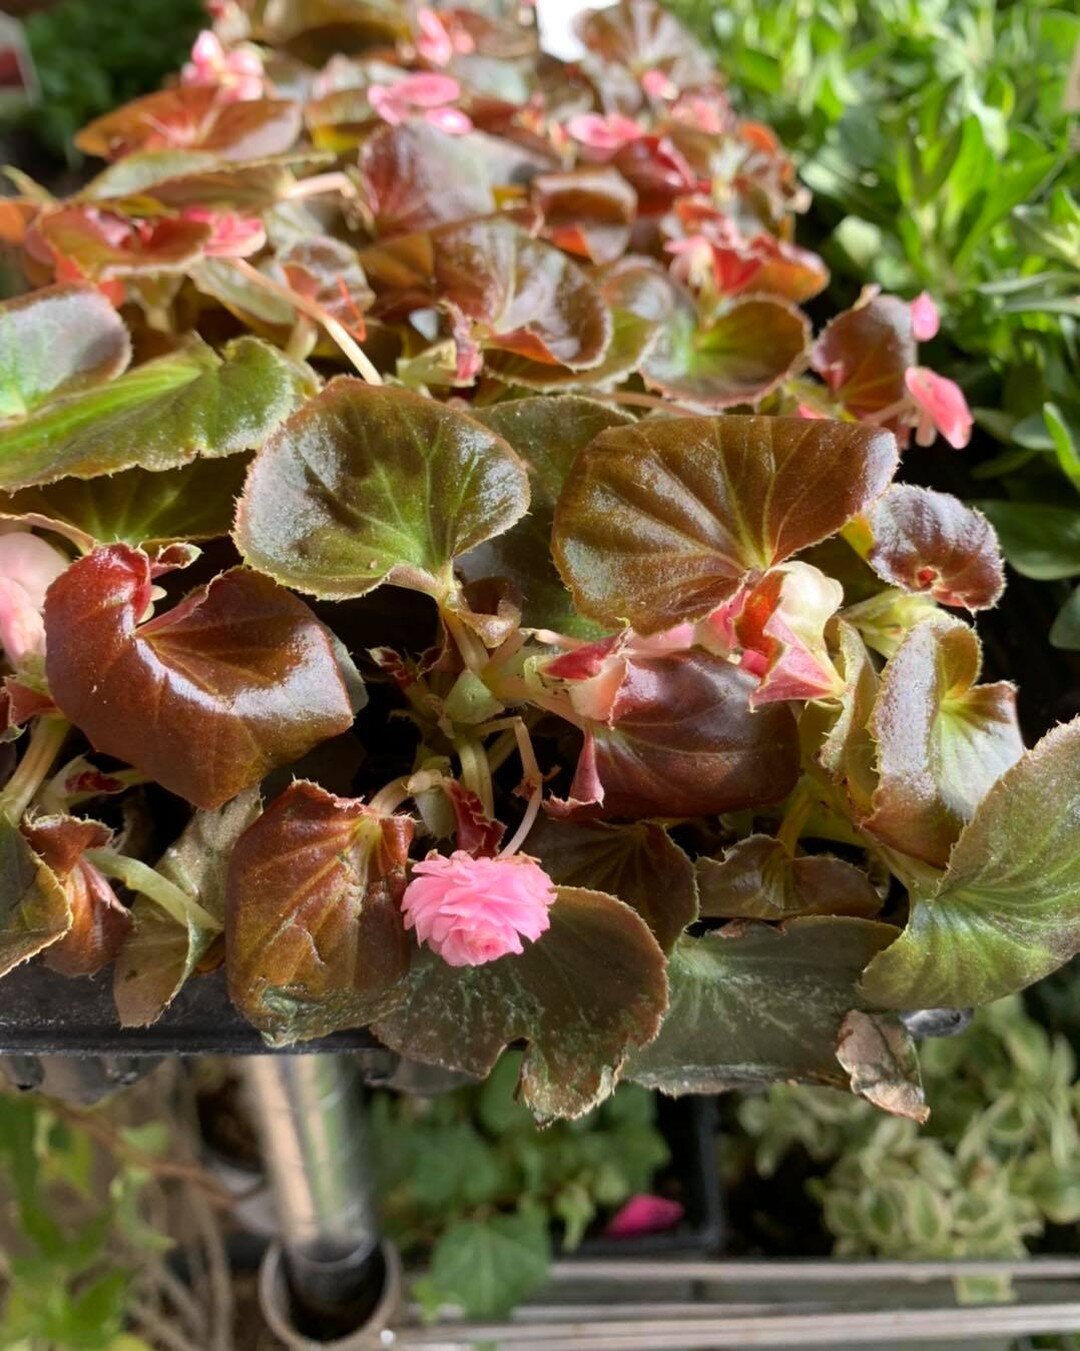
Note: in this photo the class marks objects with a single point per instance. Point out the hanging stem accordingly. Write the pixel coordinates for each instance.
(533, 777)
(145, 880)
(800, 804)
(337, 331)
(47, 737)
(473, 652)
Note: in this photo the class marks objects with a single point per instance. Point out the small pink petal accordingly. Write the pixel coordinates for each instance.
(434, 42)
(476, 910)
(452, 121)
(604, 133)
(644, 1214)
(941, 404)
(658, 85)
(232, 235)
(804, 410)
(385, 105)
(207, 50)
(427, 90)
(925, 319)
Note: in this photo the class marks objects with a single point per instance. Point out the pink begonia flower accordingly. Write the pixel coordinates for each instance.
(776, 627)
(804, 410)
(427, 94)
(601, 133)
(232, 235)
(439, 41)
(941, 405)
(658, 85)
(706, 112)
(238, 74)
(27, 568)
(644, 1214)
(476, 910)
(925, 319)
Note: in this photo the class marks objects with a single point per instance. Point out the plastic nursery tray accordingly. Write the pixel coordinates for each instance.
(42, 1013)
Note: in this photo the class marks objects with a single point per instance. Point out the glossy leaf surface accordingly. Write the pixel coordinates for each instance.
(1007, 911)
(864, 352)
(751, 1004)
(315, 935)
(586, 992)
(758, 879)
(205, 698)
(369, 485)
(157, 416)
(658, 523)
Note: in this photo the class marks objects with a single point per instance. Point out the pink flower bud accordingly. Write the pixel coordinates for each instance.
(644, 1214)
(925, 319)
(941, 405)
(434, 42)
(476, 910)
(604, 133)
(27, 568)
(452, 121)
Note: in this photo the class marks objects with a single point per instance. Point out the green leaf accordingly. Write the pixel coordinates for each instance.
(758, 879)
(659, 523)
(34, 909)
(751, 1004)
(548, 434)
(582, 995)
(1040, 541)
(193, 502)
(315, 935)
(1007, 910)
(737, 358)
(368, 485)
(55, 341)
(639, 864)
(162, 414)
(942, 740)
(1066, 442)
(1065, 632)
(489, 1266)
(162, 953)
(206, 698)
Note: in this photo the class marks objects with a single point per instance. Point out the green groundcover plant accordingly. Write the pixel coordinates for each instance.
(940, 140)
(570, 673)
(467, 1182)
(996, 1164)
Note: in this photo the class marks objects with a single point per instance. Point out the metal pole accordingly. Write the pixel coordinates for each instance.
(308, 1113)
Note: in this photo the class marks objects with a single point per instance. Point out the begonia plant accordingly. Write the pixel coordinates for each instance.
(447, 582)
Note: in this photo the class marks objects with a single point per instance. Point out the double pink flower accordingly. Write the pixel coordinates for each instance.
(427, 95)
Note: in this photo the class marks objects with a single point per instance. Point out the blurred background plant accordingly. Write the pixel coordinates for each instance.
(939, 138)
(91, 57)
(998, 1162)
(469, 1180)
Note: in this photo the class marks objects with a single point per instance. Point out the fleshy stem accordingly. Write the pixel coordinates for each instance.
(42, 749)
(799, 806)
(535, 779)
(476, 772)
(337, 331)
(142, 878)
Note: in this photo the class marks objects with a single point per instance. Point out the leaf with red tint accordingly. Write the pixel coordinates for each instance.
(367, 485)
(179, 178)
(164, 951)
(417, 177)
(587, 211)
(582, 996)
(236, 679)
(741, 356)
(942, 740)
(639, 864)
(758, 879)
(34, 909)
(325, 270)
(99, 923)
(475, 831)
(104, 245)
(524, 295)
(314, 934)
(929, 541)
(839, 736)
(863, 354)
(682, 740)
(657, 171)
(644, 36)
(193, 117)
(56, 341)
(660, 522)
